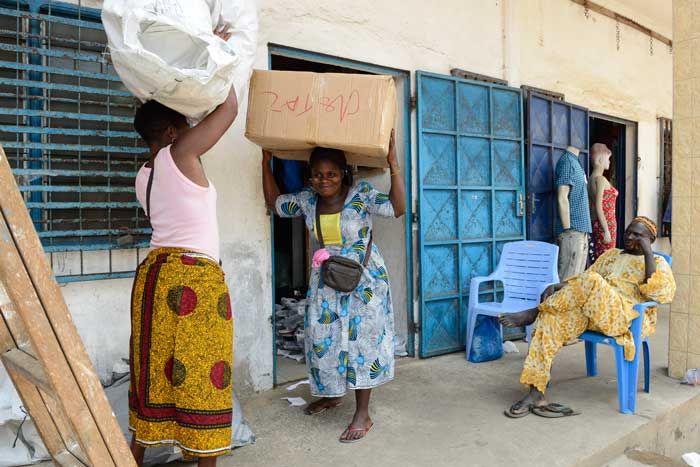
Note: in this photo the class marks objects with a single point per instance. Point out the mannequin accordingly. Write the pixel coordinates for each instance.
(603, 197)
(574, 223)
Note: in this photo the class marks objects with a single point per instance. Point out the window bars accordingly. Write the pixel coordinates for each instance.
(65, 124)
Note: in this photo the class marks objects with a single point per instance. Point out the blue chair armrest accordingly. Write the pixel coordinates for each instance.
(636, 326)
(474, 288)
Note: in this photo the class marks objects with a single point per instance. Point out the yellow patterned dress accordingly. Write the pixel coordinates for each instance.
(180, 353)
(601, 299)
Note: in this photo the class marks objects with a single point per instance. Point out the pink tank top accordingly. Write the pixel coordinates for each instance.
(183, 214)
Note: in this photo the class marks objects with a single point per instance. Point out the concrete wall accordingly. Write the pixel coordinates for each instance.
(544, 43)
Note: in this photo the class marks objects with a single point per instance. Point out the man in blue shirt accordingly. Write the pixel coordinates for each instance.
(574, 222)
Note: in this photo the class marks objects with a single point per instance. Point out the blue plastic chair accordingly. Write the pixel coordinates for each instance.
(526, 268)
(627, 372)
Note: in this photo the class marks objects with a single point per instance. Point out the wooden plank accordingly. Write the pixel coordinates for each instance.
(29, 309)
(60, 419)
(29, 367)
(53, 429)
(39, 270)
(33, 402)
(31, 287)
(66, 459)
(11, 333)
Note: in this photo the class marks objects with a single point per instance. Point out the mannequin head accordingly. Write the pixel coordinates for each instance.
(600, 156)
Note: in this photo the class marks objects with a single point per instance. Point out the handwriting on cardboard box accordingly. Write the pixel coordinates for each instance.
(343, 105)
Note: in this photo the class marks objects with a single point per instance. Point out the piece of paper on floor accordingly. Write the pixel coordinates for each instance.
(692, 459)
(295, 401)
(293, 386)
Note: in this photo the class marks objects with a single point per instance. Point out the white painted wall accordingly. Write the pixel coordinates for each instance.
(543, 43)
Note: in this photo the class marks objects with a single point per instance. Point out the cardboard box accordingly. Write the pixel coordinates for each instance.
(290, 113)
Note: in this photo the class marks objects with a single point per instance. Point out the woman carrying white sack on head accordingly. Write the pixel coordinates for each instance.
(165, 50)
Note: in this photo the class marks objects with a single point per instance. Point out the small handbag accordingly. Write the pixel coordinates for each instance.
(340, 273)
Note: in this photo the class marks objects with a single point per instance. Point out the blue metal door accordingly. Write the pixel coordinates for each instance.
(552, 125)
(471, 196)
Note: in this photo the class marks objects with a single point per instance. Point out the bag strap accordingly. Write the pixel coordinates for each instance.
(317, 228)
(148, 189)
(319, 236)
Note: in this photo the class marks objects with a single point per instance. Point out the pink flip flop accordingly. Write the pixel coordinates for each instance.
(352, 429)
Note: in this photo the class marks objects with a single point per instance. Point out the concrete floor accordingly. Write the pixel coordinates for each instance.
(447, 412)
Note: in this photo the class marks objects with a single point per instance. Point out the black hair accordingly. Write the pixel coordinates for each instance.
(152, 119)
(335, 157)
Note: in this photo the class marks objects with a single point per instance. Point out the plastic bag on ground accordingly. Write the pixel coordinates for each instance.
(166, 50)
(692, 377)
(692, 459)
(487, 343)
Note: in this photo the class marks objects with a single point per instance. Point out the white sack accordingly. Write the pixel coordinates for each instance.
(166, 50)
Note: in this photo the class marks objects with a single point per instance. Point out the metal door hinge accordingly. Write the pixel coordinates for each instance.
(413, 328)
(521, 205)
(414, 218)
(413, 102)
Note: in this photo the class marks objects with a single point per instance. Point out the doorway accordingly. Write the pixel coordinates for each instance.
(291, 246)
(620, 137)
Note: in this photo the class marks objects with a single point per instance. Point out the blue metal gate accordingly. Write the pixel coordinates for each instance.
(552, 125)
(471, 195)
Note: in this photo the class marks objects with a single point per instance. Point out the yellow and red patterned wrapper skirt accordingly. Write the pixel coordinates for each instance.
(181, 352)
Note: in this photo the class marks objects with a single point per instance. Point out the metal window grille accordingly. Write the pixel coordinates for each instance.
(66, 127)
(666, 169)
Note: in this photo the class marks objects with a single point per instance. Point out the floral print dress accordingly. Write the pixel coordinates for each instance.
(602, 300)
(349, 337)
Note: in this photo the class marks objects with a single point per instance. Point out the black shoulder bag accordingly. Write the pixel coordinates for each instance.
(338, 272)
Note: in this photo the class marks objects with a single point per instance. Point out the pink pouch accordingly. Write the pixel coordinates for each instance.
(320, 257)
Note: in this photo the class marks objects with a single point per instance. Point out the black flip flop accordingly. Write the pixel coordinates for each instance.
(511, 412)
(554, 410)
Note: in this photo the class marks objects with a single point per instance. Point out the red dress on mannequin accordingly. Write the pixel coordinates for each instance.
(609, 199)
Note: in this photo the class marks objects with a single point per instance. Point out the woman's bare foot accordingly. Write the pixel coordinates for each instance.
(322, 405)
(523, 318)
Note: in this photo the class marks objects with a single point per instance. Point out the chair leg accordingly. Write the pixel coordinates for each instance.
(528, 334)
(647, 367)
(471, 323)
(632, 381)
(622, 381)
(591, 359)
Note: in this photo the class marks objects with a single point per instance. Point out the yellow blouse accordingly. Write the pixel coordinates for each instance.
(625, 273)
(330, 227)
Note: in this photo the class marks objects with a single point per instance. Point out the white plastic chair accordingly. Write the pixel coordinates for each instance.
(525, 269)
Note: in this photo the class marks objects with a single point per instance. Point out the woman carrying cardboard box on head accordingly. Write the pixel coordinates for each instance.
(349, 322)
(182, 335)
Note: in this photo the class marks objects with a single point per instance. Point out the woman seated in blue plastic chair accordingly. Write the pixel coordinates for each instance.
(601, 299)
